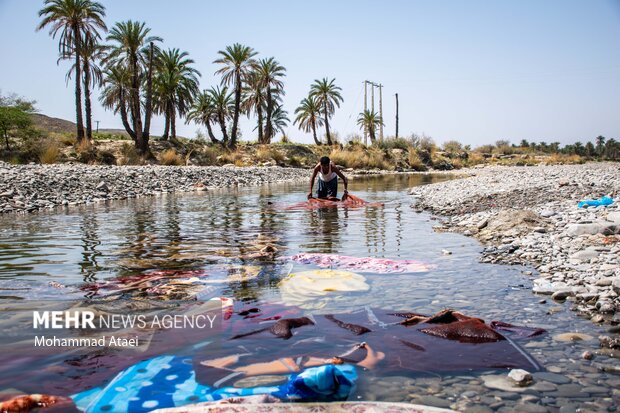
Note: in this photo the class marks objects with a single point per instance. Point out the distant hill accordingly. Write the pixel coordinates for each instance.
(58, 125)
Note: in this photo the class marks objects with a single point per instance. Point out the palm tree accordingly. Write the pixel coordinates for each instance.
(133, 48)
(308, 116)
(600, 145)
(328, 97)
(176, 83)
(76, 21)
(369, 121)
(270, 73)
(279, 119)
(254, 101)
(224, 105)
(237, 62)
(92, 54)
(204, 111)
(116, 83)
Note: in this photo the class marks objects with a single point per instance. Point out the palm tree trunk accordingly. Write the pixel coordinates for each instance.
(87, 106)
(123, 110)
(223, 126)
(269, 127)
(173, 122)
(371, 132)
(210, 132)
(259, 112)
(233, 138)
(6, 138)
(166, 124)
(135, 105)
(316, 140)
(329, 138)
(79, 122)
(149, 103)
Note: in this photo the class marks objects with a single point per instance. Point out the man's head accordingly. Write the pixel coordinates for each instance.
(324, 160)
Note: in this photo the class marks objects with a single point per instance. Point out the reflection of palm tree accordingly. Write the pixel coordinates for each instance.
(90, 241)
(375, 223)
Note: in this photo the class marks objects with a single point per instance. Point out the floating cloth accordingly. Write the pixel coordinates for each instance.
(302, 287)
(365, 264)
(163, 285)
(168, 381)
(603, 201)
(351, 201)
(445, 342)
(333, 407)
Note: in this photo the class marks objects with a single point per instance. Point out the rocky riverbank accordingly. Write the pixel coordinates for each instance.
(28, 188)
(529, 215)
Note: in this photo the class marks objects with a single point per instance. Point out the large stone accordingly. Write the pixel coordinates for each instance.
(500, 382)
(615, 285)
(521, 377)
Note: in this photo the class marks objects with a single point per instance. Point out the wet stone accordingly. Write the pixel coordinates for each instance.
(543, 386)
(531, 408)
(433, 401)
(551, 377)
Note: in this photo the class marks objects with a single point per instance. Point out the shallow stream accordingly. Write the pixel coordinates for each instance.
(87, 245)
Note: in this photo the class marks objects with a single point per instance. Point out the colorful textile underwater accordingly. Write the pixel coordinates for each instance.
(351, 201)
(362, 264)
(169, 381)
(603, 201)
(307, 288)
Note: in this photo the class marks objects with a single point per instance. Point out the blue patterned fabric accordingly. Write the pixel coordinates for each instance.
(169, 381)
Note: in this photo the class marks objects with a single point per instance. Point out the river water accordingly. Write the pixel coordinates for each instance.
(88, 245)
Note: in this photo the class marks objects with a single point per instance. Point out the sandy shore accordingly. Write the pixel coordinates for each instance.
(529, 215)
(28, 188)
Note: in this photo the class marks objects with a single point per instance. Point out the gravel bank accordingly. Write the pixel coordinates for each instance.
(529, 215)
(28, 188)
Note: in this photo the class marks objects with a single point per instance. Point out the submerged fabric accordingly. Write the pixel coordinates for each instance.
(168, 381)
(307, 287)
(406, 347)
(362, 264)
(351, 201)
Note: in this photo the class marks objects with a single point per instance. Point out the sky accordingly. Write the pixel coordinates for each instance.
(475, 71)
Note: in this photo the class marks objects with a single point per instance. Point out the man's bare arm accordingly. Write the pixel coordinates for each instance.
(314, 173)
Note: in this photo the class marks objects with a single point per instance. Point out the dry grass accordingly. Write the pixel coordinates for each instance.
(50, 152)
(360, 158)
(266, 153)
(232, 157)
(171, 157)
(561, 159)
(414, 161)
(129, 155)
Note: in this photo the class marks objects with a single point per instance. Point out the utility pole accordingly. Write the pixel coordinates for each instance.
(397, 116)
(97, 122)
(381, 112)
(372, 97)
(365, 109)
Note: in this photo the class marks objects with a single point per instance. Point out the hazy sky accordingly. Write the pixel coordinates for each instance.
(475, 71)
